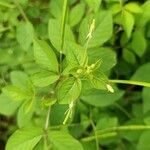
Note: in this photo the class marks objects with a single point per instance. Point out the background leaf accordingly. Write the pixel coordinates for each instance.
(62, 141)
(25, 35)
(24, 139)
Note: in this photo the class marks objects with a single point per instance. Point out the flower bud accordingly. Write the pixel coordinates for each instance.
(109, 88)
(79, 71)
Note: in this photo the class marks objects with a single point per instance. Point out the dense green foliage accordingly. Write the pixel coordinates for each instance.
(74, 74)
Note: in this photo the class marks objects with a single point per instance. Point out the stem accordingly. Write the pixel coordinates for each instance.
(94, 129)
(145, 84)
(21, 10)
(123, 110)
(104, 136)
(96, 136)
(63, 23)
(47, 118)
(111, 132)
(124, 128)
(4, 4)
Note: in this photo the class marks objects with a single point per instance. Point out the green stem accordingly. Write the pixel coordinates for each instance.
(96, 136)
(145, 84)
(111, 132)
(104, 136)
(5, 4)
(21, 10)
(63, 23)
(124, 128)
(47, 119)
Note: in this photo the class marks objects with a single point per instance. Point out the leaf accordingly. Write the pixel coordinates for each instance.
(98, 80)
(19, 79)
(25, 35)
(102, 32)
(68, 90)
(7, 106)
(108, 57)
(145, 16)
(15, 93)
(133, 7)
(127, 22)
(54, 30)
(144, 143)
(74, 15)
(45, 56)
(146, 97)
(106, 121)
(76, 56)
(142, 73)
(94, 4)
(44, 78)
(138, 43)
(63, 141)
(100, 98)
(56, 8)
(24, 139)
(116, 8)
(129, 56)
(49, 101)
(23, 117)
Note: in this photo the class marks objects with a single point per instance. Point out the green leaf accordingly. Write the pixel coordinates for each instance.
(145, 16)
(45, 56)
(49, 101)
(101, 98)
(25, 139)
(19, 79)
(7, 106)
(76, 56)
(56, 8)
(108, 57)
(98, 80)
(74, 15)
(133, 7)
(129, 56)
(116, 8)
(44, 78)
(23, 117)
(54, 30)
(15, 93)
(62, 141)
(144, 143)
(68, 90)
(102, 32)
(94, 4)
(142, 73)
(25, 35)
(127, 22)
(106, 121)
(139, 43)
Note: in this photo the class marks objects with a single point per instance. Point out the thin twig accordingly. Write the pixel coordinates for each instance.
(21, 10)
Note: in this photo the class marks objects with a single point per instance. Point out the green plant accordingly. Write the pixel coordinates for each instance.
(60, 83)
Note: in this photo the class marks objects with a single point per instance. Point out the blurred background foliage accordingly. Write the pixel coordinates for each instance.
(128, 47)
